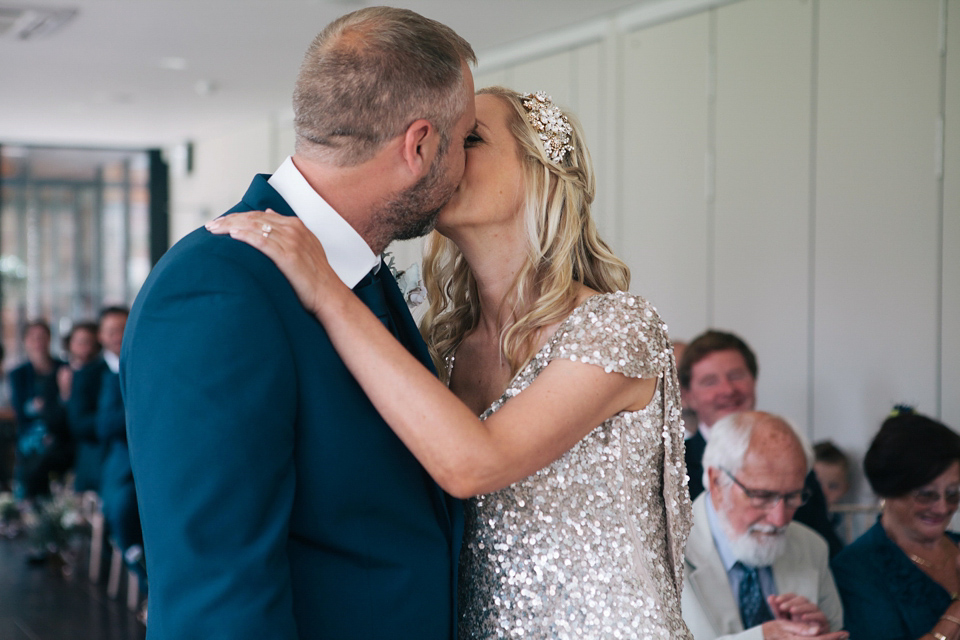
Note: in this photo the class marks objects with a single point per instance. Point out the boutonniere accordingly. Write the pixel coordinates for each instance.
(411, 286)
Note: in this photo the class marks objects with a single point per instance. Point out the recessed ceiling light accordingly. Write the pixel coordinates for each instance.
(205, 87)
(172, 63)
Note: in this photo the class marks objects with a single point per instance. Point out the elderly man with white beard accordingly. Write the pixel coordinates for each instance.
(751, 572)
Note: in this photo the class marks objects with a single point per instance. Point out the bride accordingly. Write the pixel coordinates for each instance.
(578, 510)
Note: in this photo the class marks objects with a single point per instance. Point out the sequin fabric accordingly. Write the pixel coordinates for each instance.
(591, 546)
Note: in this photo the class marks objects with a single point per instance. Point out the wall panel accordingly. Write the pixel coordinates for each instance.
(950, 383)
(762, 206)
(663, 132)
(877, 217)
(223, 167)
(552, 74)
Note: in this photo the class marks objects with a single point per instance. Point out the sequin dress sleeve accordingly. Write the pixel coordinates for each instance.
(590, 546)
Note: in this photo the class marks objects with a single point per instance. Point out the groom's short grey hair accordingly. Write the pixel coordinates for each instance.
(730, 440)
(370, 74)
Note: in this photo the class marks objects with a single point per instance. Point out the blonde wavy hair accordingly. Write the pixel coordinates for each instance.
(563, 247)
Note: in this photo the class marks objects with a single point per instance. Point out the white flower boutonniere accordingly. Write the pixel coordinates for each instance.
(411, 286)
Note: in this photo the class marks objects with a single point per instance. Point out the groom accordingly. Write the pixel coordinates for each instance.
(275, 502)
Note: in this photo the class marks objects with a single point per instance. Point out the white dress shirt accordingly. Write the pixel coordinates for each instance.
(349, 255)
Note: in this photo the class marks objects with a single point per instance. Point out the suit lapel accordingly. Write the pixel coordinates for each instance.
(791, 576)
(405, 324)
(707, 577)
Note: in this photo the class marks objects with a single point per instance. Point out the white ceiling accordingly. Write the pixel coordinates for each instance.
(101, 81)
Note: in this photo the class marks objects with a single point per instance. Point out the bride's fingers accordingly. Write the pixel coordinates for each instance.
(225, 223)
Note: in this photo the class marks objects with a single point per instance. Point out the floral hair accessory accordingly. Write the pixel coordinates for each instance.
(901, 410)
(552, 126)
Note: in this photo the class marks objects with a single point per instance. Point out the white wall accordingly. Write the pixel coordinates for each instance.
(770, 167)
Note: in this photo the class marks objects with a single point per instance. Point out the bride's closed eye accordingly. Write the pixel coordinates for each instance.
(472, 140)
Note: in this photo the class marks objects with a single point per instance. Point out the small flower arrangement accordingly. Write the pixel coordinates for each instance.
(10, 520)
(408, 280)
(55, 524)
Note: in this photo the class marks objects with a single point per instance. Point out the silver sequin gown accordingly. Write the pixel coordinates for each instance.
(591, 546)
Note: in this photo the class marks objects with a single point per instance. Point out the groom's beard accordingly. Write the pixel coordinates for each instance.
(413, 213)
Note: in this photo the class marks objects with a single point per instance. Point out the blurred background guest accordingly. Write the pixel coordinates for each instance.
(81, 347)
(833, 471)
(901, 579)
(832, 468)
(8, 430)
(44, 446)
(688, 415)
(117, 490)
(84, 377)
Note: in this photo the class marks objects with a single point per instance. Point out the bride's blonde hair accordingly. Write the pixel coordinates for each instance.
(563, 248)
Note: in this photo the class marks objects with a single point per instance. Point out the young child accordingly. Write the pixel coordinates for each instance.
(833, 471)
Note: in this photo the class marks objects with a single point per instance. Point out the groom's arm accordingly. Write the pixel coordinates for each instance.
(210, 395)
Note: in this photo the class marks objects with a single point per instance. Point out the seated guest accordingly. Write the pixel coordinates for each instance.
(81, 348)
(751, 573)
(688, 415)
(86, 371)
(718, 376)
(44, 445)
(832, 469)
(901, 579)
(97, 403)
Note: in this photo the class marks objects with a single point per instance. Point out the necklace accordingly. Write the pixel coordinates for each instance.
(920, 561)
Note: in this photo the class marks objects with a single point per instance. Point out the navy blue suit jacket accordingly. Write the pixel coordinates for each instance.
(82, 417)
(275, 501)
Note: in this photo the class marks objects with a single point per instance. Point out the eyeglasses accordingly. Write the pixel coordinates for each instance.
(762, 499)
(929, 496)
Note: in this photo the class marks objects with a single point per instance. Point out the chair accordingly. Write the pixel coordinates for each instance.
(853, 514)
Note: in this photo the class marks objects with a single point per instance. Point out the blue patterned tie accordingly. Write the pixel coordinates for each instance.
(753, 608)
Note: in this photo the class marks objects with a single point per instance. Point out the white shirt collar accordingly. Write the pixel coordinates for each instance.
(349, 255)
(704, 431)
(112, 360)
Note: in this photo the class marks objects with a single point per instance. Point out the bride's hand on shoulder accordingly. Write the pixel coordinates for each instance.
(287, 241)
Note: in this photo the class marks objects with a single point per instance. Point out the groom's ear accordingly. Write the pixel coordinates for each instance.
(420, 145)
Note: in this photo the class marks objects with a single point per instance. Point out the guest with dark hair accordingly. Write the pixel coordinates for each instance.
(44, 446)
(97, 410)
(85, 373)
(833, 471)
(80, 347)
(901, 579)
(718, 377)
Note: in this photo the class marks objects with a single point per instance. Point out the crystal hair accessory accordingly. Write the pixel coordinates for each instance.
(552, 126)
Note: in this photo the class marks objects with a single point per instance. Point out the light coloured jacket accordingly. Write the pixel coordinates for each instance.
(709, 606)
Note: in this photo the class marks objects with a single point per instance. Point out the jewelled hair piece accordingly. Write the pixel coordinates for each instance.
(552, 126)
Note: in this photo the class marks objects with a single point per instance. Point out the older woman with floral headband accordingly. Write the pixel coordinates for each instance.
(901, 579)
(578, 509)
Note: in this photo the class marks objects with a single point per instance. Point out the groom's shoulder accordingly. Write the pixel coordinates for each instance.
(206, 255)
(201, 265)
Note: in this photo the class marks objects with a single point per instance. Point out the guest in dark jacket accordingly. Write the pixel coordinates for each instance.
(96, 410)
(44, 445)
(80, 385)
(900, 579)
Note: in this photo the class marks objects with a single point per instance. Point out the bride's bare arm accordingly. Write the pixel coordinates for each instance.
(464, 455)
